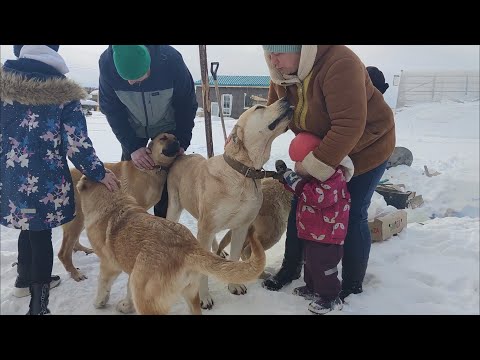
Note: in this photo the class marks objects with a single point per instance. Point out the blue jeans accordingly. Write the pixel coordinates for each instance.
(356, 249)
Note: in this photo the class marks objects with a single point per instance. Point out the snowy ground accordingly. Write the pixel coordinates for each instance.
(428, 269)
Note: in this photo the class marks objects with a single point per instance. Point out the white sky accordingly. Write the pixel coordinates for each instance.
(248, 59)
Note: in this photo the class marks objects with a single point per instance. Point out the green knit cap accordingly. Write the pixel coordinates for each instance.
(132, 61)
(282, 48)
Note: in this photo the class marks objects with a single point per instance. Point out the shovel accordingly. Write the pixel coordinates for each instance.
(214, 75)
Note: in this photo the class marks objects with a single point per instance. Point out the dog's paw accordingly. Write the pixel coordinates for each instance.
(223, 254)
(237, 289)
(78, 275)
(125, 306)
(83, 248)
(206, 302)
(265, 275)
(88, 251)
(100, 302)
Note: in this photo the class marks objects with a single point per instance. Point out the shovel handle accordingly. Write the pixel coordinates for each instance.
(214, 71)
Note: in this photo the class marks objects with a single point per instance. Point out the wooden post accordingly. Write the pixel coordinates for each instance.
(213, 70)
(206, 98)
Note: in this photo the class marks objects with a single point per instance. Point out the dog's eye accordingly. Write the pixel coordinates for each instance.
(260, 107)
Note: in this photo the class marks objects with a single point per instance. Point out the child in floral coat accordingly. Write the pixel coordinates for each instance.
(42, 124)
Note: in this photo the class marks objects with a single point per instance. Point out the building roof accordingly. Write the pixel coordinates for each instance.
(239, 80)
(88, 102)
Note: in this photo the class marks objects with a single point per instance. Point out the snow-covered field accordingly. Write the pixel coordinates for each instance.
(432, 267)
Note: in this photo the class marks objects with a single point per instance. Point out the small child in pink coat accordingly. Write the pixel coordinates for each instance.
(322, 221)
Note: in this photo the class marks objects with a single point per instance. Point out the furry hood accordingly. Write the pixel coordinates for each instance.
(54, 91)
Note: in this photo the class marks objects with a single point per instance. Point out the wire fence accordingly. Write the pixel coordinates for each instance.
(425, 87)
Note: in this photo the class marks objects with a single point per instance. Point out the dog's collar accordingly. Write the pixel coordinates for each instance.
(247, 171)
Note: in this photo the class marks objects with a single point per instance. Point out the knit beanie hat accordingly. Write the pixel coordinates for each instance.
(302, 145)
(17, 48)
(131, 61)
(282, 48)
(377, 78)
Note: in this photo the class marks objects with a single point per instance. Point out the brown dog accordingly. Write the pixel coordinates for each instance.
(145, 186)
(163, 258)
(271, 221)
(224, 192)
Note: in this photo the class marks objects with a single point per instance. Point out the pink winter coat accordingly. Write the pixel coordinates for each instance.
(323, 208)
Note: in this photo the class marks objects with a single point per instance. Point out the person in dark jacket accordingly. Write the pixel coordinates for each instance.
(42, 124)
(378, 79)
(146, 90)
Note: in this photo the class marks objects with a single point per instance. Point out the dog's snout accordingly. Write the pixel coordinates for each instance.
(172, 148)
(285, 100)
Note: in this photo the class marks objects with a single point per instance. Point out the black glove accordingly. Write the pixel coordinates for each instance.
(281, 167)
(288, 176)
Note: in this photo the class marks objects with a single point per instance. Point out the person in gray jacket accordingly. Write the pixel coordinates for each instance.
(146, 90)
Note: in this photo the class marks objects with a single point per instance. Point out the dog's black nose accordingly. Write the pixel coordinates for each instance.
(172, 148)
(285, 104)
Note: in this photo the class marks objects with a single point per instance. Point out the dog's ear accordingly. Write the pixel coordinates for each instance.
(82, 184)
(237, 134)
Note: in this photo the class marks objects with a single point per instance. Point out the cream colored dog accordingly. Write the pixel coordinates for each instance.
(271, 221)
(145, 186)
(163, 258)
(221, 197)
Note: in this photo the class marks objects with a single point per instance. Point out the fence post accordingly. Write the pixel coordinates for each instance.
(206, 98)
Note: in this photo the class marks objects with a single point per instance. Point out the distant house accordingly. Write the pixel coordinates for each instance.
(237, 93)
(88, 106)
(94, 95)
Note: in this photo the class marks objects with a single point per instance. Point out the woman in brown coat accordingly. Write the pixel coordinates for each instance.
(334, 99)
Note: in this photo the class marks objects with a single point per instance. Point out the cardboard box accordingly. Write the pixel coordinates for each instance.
(384, 227)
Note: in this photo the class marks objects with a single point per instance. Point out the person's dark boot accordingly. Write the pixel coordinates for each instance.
(289, 271)
(22, 282)
(347, 290)
(39, 299)
(292, 259)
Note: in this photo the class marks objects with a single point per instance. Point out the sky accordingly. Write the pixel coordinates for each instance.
(432, 267)
(248, 59)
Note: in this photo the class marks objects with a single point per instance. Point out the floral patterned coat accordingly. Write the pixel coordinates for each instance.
(41, 125)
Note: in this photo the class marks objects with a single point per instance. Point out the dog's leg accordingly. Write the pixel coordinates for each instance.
(157, 301)
(174, 209)
(71, 234)
(192, 297)
(205, 238)
(79, 247)
(108, 274)
(238, 238)
(125, 306)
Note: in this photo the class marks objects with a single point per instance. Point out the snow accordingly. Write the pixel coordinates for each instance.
(432, 267)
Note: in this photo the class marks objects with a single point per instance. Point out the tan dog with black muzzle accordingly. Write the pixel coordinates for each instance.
(146, 186)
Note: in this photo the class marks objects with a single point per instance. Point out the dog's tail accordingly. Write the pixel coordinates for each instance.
(229, 271)
(227, 239)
